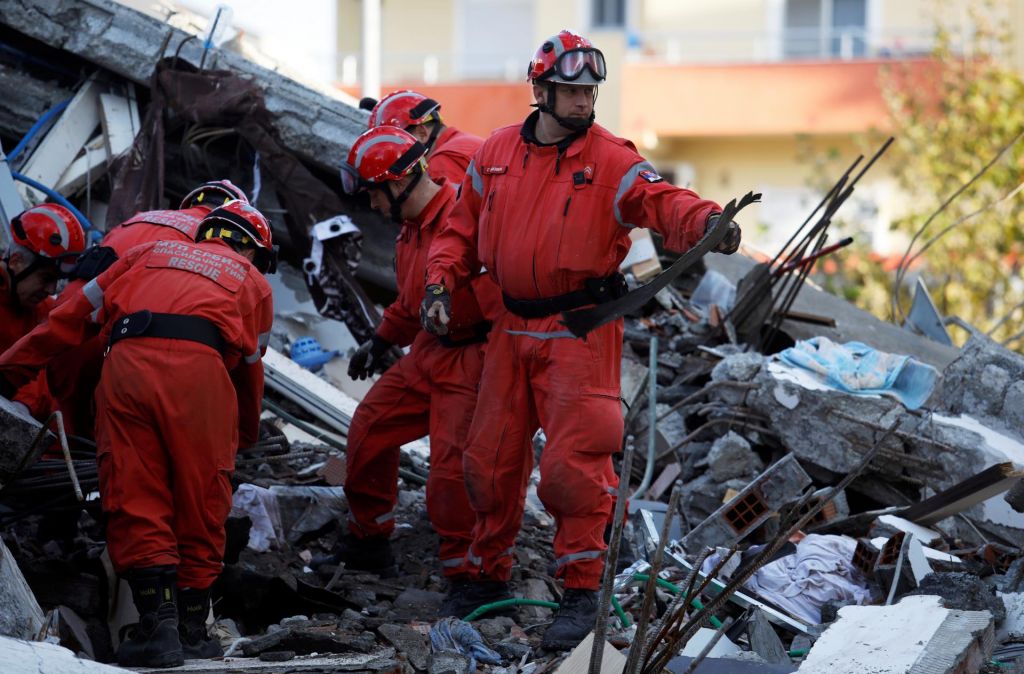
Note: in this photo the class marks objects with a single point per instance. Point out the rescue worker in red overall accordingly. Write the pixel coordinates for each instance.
(186, 324)
(430, 390)
(449, 150)
(72, 377)
(45, 243)
(547, 208)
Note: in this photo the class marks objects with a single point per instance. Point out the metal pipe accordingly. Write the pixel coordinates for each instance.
(608, 580)
(652, 416)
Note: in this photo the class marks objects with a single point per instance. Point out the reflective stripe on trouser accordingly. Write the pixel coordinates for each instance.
(166, 450)
(432, 390)
(571, 388)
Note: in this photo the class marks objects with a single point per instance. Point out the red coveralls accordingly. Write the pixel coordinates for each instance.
(543, 220)
(73, 376)
(171, 412)
(431, 390)
(453, 150)
(15, 322)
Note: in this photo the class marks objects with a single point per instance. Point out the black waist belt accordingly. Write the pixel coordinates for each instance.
(479, 334)
(169, 326)
(594, 291)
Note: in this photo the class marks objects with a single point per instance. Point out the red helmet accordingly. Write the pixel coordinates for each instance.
(246, 225)
(241, 223)
(567, 58)
(49, 231)
(213, 194)
(379, 155)
(404, 109)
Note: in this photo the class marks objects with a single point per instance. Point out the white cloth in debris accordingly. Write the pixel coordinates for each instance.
(858, 368)
(820, 570)
(260, 506)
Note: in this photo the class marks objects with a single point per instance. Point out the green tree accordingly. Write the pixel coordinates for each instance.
(951, 117)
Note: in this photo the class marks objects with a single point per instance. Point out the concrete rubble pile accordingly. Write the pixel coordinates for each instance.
(780, 518)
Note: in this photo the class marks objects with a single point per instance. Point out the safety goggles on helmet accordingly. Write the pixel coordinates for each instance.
(569, 66)
(350, 182)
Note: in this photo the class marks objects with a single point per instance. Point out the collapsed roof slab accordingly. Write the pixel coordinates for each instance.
(319, 128)
(24, 100)
(851, 323)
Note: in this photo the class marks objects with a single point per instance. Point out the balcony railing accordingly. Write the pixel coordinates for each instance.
(791, 44)
(674, 47)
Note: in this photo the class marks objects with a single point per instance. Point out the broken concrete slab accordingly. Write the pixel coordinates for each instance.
(961, 590)
(851, 322)
(986, 381)
(379, 662)
(36, 656)
(782, 483)
(21, 617)
(915, 636)
(731, 457)
(17, 431)
(408, 641)
(806, 416)
(128, 43)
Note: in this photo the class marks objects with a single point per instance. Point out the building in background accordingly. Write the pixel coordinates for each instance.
(722, 95)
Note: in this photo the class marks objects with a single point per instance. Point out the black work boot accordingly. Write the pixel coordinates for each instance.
(154, 641)
(371, 554)
(574, 620)
(465, 596)
(193, 607)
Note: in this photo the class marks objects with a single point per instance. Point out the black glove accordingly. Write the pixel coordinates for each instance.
(731, 243)
(93, 262)
(7, 389)
(369, 358)
(438, 323)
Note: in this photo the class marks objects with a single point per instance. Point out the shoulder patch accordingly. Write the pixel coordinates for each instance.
(650, 176)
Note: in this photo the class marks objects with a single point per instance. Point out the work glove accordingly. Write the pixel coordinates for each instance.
(731, 243)
(436, 310)
(7, 389)
(93, 262)
(369, 358)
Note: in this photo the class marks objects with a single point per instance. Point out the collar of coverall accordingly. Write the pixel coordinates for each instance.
(434, 206)
(567, 145)
(441, 139)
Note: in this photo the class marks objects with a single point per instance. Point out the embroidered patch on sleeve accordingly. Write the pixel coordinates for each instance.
(651, 176)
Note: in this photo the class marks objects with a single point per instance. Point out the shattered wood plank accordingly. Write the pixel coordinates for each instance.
(318, 127)
(972, 491)
(62, 143)
(120, 118)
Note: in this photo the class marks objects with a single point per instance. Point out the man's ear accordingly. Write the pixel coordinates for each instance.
(16, 261)
(540, 93)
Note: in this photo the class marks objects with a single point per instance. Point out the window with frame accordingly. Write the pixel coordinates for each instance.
(825, 29)
(608, 13)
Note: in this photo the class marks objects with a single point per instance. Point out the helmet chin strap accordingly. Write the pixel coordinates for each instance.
(396, 202)
(574, 124)
(16, 278)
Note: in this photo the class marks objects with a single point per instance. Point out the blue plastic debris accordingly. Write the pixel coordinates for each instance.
(452, 634)
(307, 352)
